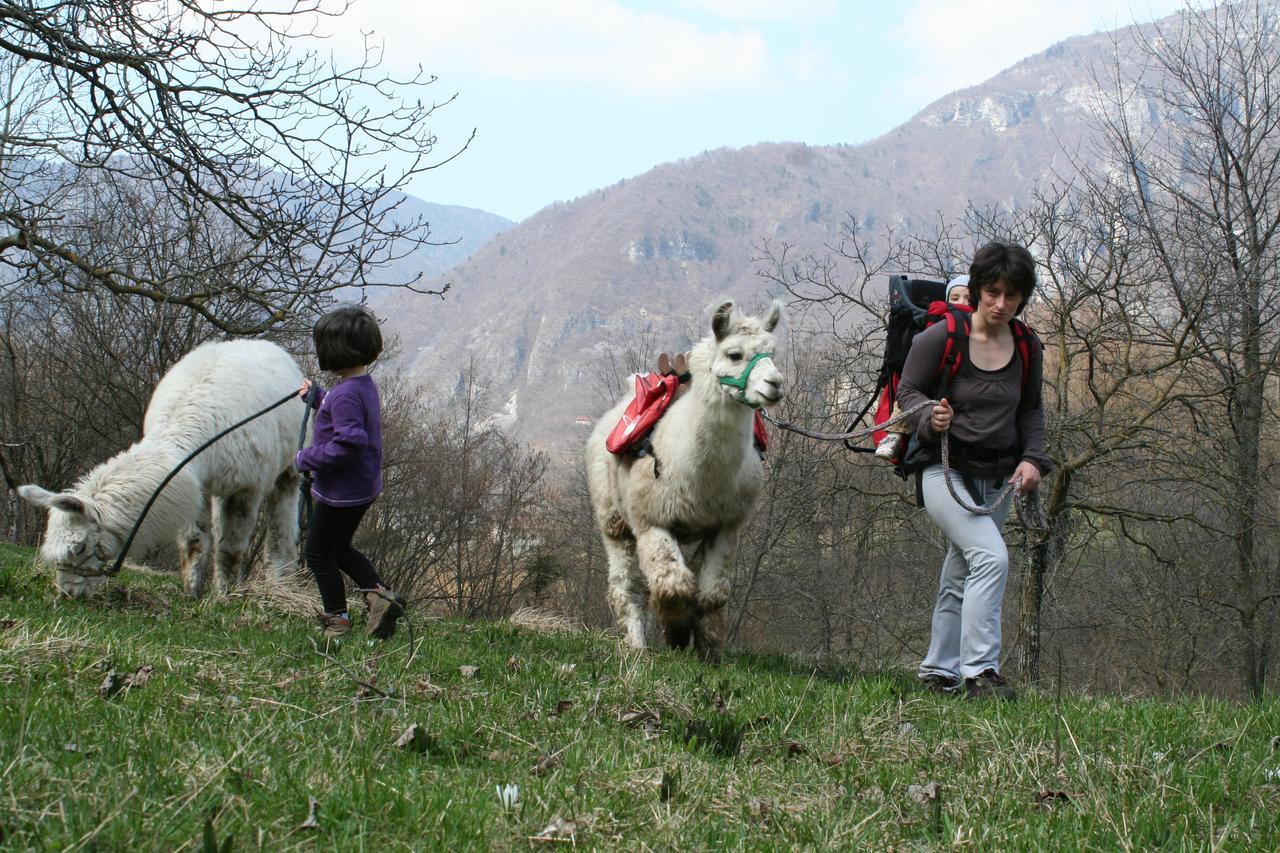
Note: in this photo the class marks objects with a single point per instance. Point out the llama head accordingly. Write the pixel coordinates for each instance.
(75, 543)
(741, 355)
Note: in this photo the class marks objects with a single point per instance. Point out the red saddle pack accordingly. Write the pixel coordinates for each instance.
(654, 393)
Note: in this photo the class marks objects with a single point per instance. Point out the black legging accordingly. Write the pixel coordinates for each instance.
(328, 551)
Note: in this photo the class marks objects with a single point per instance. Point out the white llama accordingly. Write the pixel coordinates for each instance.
(695, 490)
(213, 502)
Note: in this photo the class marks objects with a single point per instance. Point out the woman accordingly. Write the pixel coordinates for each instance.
(993, 413)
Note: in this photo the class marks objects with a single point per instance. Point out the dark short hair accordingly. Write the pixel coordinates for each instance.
(347, 337)
(999, 261)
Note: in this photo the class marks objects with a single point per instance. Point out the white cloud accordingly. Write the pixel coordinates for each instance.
(955, 45)
(563, 41)
(763, 10)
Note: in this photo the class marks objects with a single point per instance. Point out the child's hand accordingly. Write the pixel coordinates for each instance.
(305, 389)
(941, 417)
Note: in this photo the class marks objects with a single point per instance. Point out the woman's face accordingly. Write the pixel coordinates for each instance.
(958, 296)
(998, 302)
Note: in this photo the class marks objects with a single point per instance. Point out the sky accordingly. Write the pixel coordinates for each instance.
(568, 96)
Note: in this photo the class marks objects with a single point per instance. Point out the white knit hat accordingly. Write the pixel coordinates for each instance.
(958, 281)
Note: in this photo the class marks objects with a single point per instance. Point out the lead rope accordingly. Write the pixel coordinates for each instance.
(1030, 512)
(124, 550)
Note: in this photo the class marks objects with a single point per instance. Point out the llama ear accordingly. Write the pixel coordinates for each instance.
(53, 500)
(36, 496)
(774, 315)
(720, 321)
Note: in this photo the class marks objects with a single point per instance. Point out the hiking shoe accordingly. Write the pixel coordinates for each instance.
(334, 624)
(935, 683)
(385, 608)
(988, 684)
(887, 449)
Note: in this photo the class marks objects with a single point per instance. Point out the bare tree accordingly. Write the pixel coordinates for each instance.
(267, 162)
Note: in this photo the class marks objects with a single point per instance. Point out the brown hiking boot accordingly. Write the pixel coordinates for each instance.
(334, 624)
(385, 607)
(935, 683)
(988, 684)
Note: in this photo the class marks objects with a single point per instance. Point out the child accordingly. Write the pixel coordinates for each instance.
(345, 461)
(957, 293)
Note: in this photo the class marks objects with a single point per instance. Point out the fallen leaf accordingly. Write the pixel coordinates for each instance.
(415, 739)
(426, 688)
(924, 793)
(512, 663)
(794, 748)
(561, 706)
(636, 716)
(833, 759)
(468, 671)
(139, 676)
(110, 685)
(1048, 797)
(313, 814)
(557, 830)
(548, 762)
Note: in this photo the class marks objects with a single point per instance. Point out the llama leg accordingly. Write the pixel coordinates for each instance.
(626, 589)
(672, 587)
(194, 549)
(236, 514)
(282, 524)
(713, 594)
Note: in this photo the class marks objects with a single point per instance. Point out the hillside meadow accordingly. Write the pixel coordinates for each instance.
(146, 720)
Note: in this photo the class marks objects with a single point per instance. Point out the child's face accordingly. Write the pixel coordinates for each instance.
(958, 295)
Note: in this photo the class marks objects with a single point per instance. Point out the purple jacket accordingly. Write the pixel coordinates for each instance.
(345, 456)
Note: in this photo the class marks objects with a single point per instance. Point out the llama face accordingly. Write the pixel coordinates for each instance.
(743, 358)
(75, 544)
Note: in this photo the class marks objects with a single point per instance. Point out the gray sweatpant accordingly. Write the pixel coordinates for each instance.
(966, 618)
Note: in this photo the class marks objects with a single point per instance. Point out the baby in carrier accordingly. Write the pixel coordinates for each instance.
(890, 446)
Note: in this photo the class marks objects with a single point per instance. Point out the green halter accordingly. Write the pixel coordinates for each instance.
(741, 382)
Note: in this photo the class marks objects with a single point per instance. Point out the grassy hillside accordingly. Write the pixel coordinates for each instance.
(145, 720)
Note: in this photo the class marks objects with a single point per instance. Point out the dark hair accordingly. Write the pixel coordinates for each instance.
(347, 337)
(1000, 261)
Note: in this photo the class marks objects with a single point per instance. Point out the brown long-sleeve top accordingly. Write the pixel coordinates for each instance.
(990, 411)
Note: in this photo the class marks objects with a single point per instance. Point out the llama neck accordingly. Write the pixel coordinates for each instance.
(121, 487)
(715, 429)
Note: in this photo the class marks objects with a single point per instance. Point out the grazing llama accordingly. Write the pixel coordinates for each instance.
(212, 505)
(670, 520)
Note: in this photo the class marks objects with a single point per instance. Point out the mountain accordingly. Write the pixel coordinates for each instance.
(457, 232)
(540, 305)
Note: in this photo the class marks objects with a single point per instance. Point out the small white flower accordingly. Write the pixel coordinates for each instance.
(508, 795)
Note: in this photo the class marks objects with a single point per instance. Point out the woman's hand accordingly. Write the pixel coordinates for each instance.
(305, 389)
(1030, 475)
(940, 420)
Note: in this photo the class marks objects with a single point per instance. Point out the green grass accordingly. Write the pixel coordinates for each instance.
(243, 722)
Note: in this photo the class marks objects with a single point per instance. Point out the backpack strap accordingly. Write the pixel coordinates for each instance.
(1028, 346)
(954, 349)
